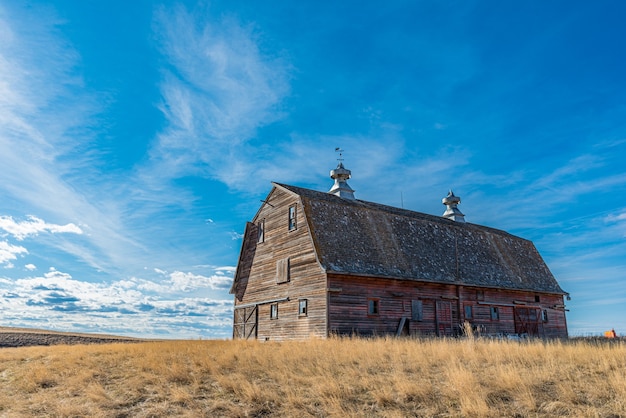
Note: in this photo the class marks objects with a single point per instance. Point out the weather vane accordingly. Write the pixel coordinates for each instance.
(340, 151)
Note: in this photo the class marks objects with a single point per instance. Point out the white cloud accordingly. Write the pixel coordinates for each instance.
(617, 221)
(235, 235)
(54, 274)
(186, 282)
(58, 301)
(44, 143)
(616, 218)
(221, 90)
(34, 226)
(10, 252)
(30, 267)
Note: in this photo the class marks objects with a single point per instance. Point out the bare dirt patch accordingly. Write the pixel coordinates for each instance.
(24, 337)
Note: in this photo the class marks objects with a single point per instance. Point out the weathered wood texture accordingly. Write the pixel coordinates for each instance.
(284, 267)
(357, 290)
(442, 307)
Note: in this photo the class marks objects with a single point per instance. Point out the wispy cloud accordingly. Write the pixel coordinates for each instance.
(218, 90)
(50, 168)
(43, 109)
(616, 217)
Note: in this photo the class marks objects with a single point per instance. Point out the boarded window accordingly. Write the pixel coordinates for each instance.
(544, 315)
(274, 311)
(261, 231)
(417, 310)
(302, 307)
(292, 218)
(469, 314)
(495, 313)
(282, 270)
(373, 307)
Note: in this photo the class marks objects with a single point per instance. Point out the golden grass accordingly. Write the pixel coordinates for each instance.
(317, 378)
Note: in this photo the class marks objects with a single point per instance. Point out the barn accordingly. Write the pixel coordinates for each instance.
(316, 264)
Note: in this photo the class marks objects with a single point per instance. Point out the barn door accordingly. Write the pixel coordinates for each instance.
(245, 324)
(527, 321)
(443, 318)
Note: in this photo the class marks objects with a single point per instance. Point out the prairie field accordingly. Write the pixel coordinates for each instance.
(318, 378)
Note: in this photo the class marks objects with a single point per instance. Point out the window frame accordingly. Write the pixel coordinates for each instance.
(261, 231)
(373, 306)
(303, 307)
(494, 313)
(274, 311)
(292, 225)
(468, 309)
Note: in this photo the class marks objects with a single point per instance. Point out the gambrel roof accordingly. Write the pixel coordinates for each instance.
(362, 238)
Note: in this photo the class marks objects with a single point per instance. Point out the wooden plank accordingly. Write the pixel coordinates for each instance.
(401, 326)
(306, 278)
(348, 307)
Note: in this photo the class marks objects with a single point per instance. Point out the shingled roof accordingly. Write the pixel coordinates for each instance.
(368, 239)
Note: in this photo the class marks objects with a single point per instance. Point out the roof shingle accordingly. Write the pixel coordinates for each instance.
(365, 238)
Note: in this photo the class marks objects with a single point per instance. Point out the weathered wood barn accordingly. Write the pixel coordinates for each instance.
(313, 264)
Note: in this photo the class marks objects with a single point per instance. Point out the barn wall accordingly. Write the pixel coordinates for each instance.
(442, 308)
(306, 278)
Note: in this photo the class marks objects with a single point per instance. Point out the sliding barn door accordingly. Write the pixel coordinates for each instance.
(527, 321)
(246, 321)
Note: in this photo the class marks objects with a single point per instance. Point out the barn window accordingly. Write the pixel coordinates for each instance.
(282, 270)
(302, 307)
(468, 312)
(373, 306)
(274, 311)
(544, 315)
(537, 298)
(495, 313)
(480, 295)
(292, 218)
(261, 231)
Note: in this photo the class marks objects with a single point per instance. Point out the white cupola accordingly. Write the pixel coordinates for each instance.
(452, 212)
(341, 187)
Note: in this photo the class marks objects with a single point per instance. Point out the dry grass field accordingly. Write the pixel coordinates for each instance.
(318, 378)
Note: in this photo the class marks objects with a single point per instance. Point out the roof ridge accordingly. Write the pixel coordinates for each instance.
(306, 192)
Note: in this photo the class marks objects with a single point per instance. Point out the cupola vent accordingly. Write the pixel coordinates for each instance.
(452, 212)
(341, 187)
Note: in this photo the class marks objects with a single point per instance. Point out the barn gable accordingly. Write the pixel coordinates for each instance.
(279, 285)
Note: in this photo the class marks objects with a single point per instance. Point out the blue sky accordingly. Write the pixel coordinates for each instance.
(137, 138)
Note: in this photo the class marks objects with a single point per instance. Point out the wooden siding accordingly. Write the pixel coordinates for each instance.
(306, 279)
(442, 308)
(284, 267)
